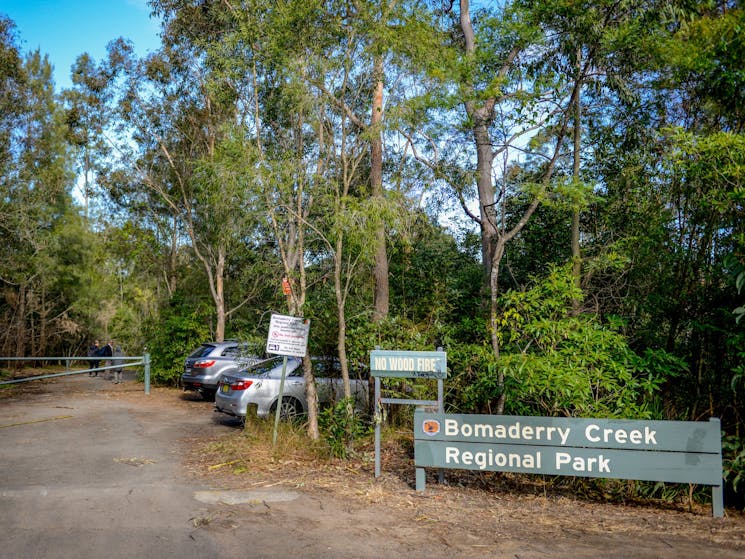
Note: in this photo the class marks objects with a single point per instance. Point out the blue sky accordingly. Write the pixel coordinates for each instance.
(64, 29)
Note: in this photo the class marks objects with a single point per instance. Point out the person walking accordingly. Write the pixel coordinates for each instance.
(93, 351)
(107, 351)
(118, 371)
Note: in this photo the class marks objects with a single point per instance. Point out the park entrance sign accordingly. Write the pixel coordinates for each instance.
(671, 451)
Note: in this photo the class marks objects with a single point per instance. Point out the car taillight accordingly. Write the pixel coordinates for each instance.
(240, 384)
(203, 364)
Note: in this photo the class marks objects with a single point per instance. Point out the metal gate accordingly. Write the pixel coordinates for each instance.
(123, 361)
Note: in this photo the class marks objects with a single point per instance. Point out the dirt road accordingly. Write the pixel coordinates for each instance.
(92, 469)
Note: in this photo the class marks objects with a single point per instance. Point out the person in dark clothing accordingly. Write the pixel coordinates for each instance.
(93, 351)
(107, 350)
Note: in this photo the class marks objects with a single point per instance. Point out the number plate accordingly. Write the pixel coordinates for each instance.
(225, 388)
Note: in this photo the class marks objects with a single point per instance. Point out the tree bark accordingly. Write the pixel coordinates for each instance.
(21, 324)
(219, 295)
(380, 271)
(172, 259)
(576, 255)
(341, 315)
(486, 193)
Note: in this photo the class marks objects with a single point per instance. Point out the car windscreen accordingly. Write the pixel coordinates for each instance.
(272, 367)
(261, 369)
(231, 351)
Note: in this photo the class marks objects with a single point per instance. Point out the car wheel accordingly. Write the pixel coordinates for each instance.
(291, 409)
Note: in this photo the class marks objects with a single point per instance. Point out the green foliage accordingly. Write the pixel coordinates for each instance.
(432, 280)
(172, 337)
(557, 362)
(472, 382)
(733, 462)
(340, 429)
(390, 333)
(708, 52)
(738, 272)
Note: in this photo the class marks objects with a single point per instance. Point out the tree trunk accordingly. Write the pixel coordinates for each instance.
(496, 259)
(576, 255)
(41, 345)
(481, 116)
(340, 306)
(21, 324)
(311, 396)
(220, 296)
(172, 259)
(380, 271)
(486, 192)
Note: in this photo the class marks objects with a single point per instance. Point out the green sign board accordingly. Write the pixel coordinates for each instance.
(672, 451)
(408, 364)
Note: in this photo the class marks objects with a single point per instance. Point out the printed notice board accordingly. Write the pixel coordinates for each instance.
(288, 335)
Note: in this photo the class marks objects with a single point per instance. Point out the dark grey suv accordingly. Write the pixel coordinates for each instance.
(206, 364)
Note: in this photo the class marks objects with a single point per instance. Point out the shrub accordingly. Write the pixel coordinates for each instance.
(178, 332)
(340, 428)
(557, 362)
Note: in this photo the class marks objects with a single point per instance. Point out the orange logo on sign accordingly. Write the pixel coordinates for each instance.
(431, 427)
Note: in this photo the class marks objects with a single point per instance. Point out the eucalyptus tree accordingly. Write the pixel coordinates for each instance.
(312, 72)
(351, 78)
(45, 264)
(393, 37)
(382, 51)
(509, 136)
(171, 155)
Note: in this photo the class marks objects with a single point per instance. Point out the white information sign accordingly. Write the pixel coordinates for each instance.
(288, 335)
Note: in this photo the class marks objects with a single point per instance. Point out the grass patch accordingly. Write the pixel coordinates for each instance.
(251, 449)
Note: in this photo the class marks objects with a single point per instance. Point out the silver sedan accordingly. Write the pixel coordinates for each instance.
(258, 386)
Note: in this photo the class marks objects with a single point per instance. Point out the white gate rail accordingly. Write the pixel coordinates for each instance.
(123, 361)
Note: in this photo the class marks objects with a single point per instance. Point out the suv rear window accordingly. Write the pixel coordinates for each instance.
(202, 351)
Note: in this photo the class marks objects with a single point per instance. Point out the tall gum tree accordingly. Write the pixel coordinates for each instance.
(493, 79)
(264, 55)
(379, 47)
(171, 121)
(38, 223)
(336, 66)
